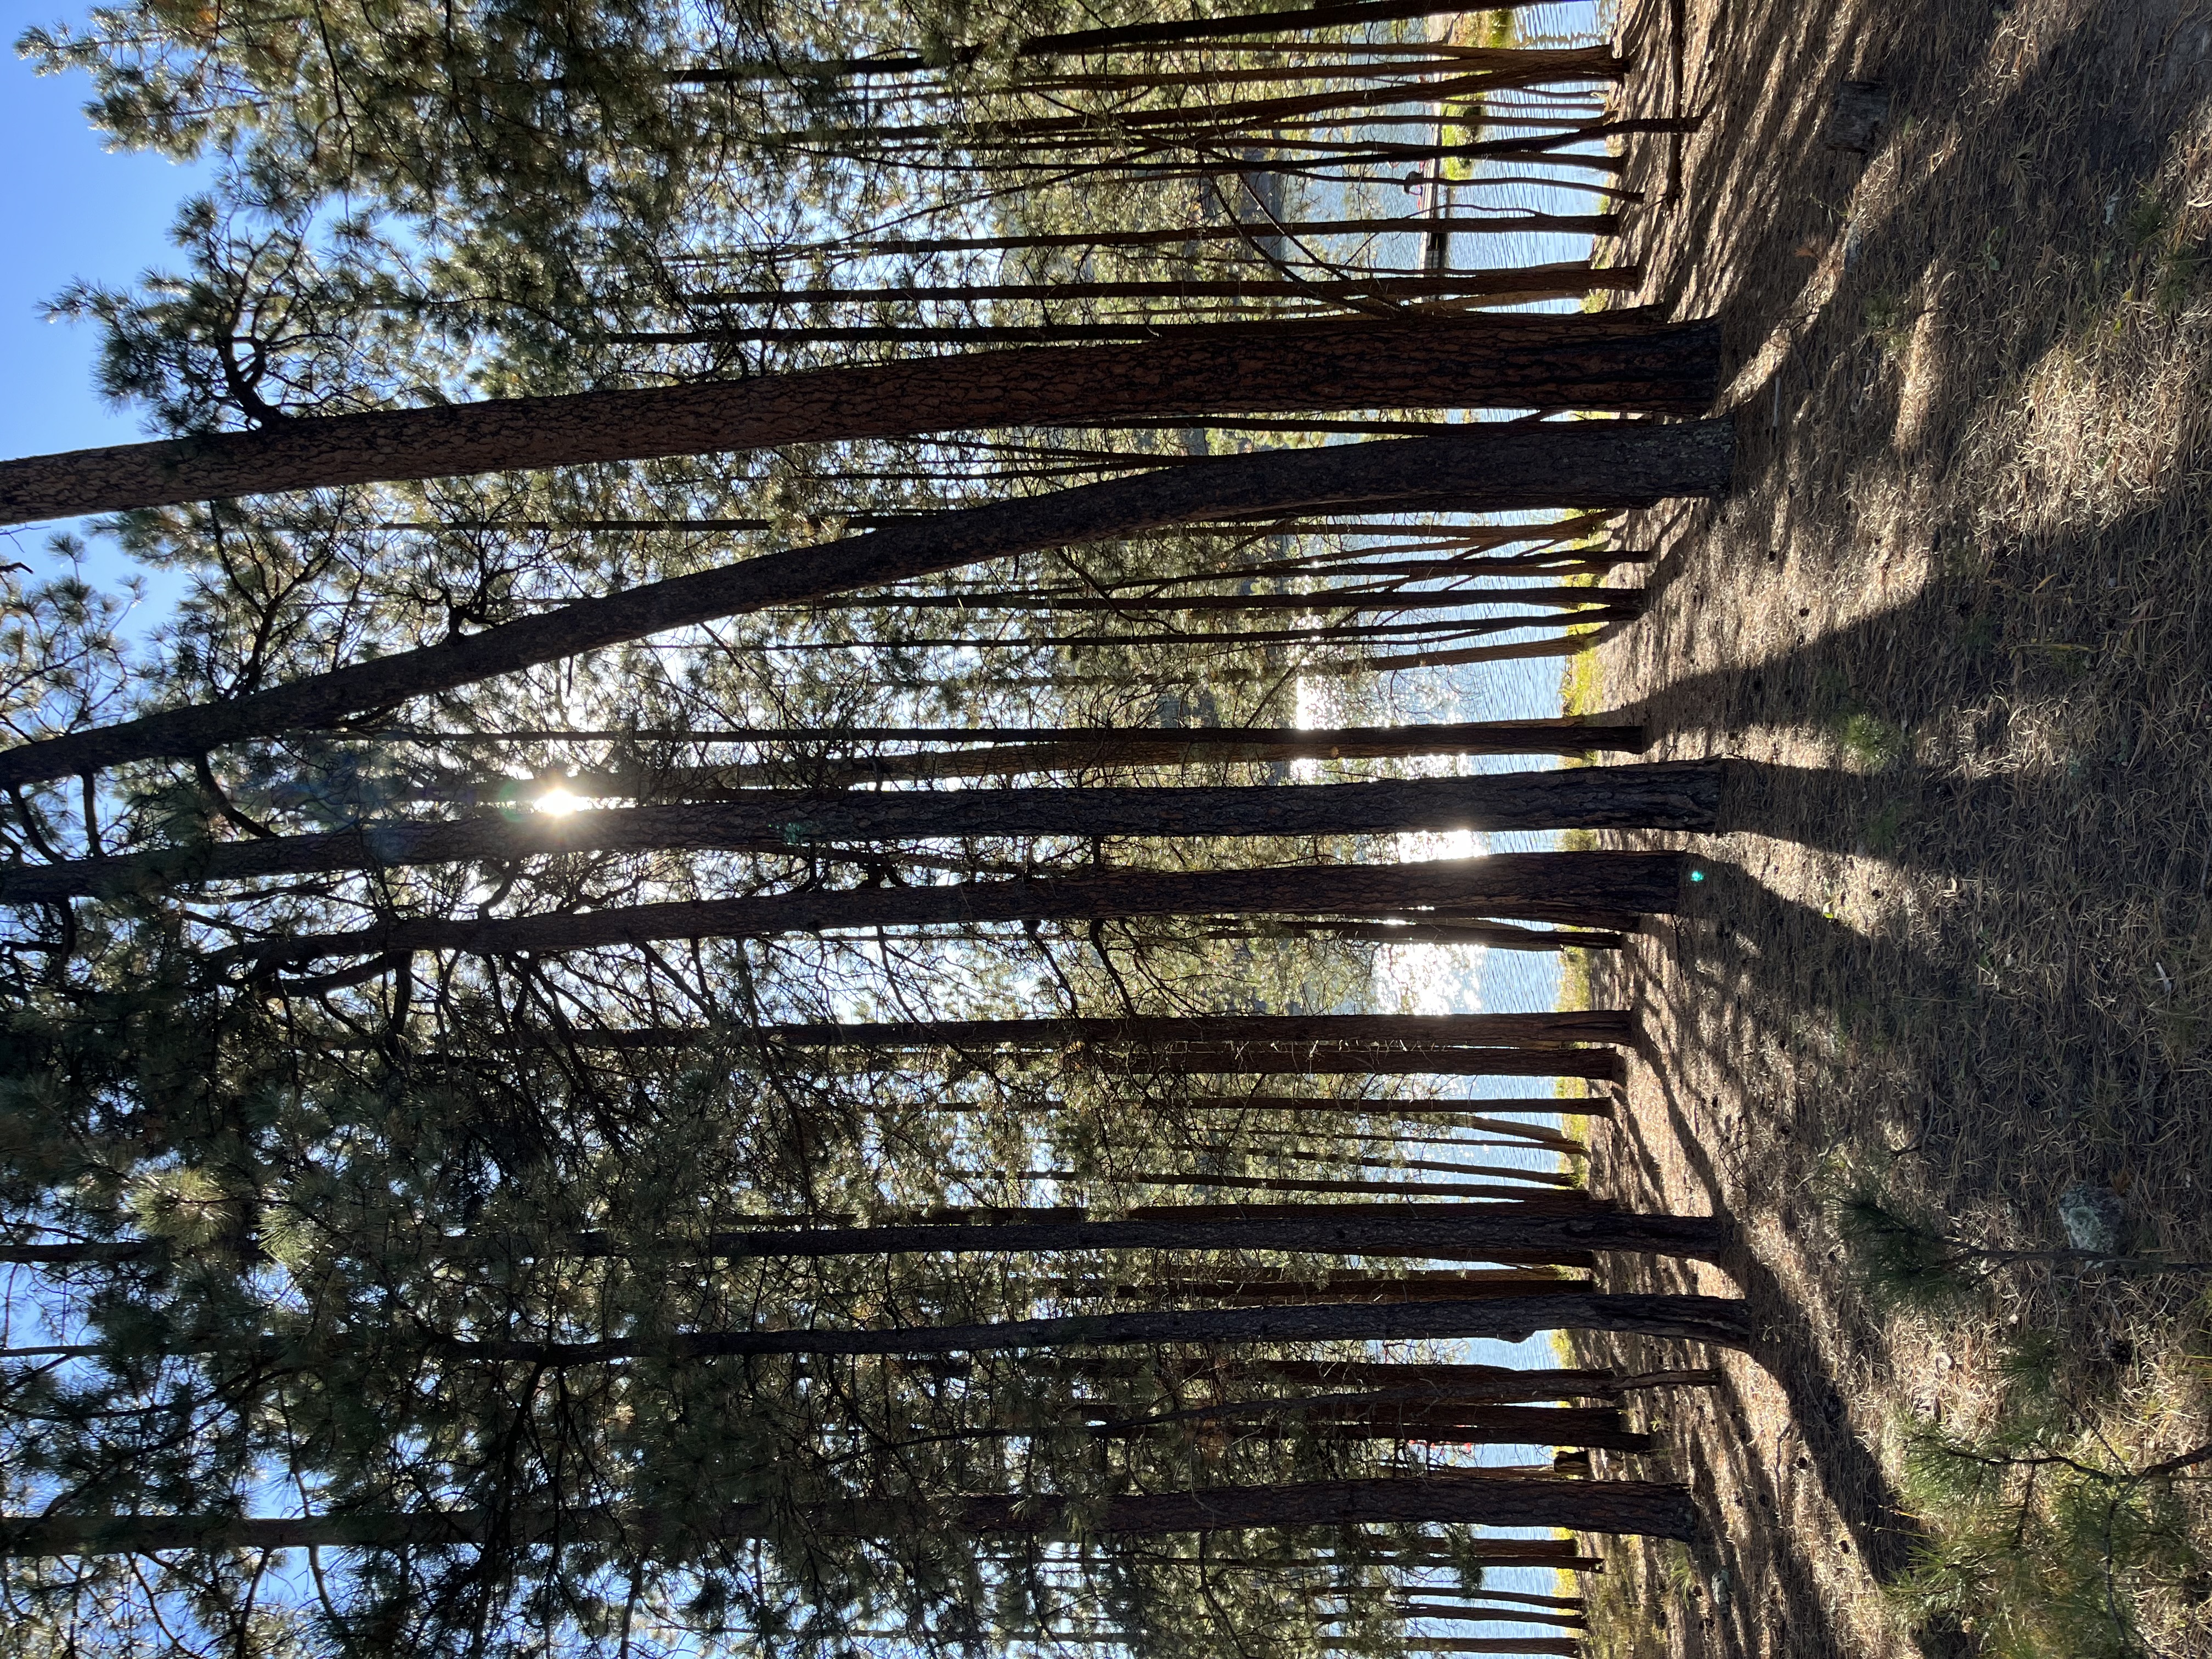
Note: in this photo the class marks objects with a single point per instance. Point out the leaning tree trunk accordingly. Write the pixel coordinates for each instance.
(1665, 795)
(1598, 889)
(1649, 1508)
(1592, 463)
(1591, 361)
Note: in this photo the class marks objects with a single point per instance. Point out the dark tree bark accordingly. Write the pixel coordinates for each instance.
(1667, 795)
(1258, 1287)
(1593, 462)
(1449, 1113)
(1263, 1060)
(1130, 744)
(1593, 361)
(1593, 224)
(1011, 751)
(1721, 1321)
(1502, 936)
(1346, 1184)
(1469, 1613)
(1513, 280)
(1486, 1384)
(1355, 1418)
(1478, 1593)
(1565, 1646)
(1560, 1552)
(1318, 633)
(1300, 21)
(1597, 889)
(1336, 600)
(1596, 1506)
(1573, 1025)
(1466, 1232)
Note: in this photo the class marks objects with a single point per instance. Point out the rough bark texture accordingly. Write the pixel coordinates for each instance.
(1719, 1319)
(1511, 279)
(1657, 1509)
(1445, 1232)
(1601, 1427)
(1365, 1059)
(1573, 224)
(1589, 463)
(1564, 1647)
(1014, 753)
(1603, 888)
(1347, 1184)
(1593, 361)
(1573, 1025)
(1667, 795)
(1260, 1290)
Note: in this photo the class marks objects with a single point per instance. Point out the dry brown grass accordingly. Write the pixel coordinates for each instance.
(1955, 625)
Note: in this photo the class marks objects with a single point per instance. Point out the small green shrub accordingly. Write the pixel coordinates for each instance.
(1872, 741)
(2040, 1544)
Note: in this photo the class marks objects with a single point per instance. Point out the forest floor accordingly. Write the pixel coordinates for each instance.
(1953, 627)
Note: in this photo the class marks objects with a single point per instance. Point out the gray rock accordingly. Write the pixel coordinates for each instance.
(2090, 1213)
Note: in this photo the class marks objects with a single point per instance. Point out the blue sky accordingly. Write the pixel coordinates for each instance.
(76, 210)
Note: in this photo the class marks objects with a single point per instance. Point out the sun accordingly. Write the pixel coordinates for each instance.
(558, 802)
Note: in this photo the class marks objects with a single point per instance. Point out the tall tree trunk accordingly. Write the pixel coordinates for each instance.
(1721, 1321)
(1257, 1287)
(1593, 361)
(1499, 936)
(1301, 21)
(1570, 734)
(1247, 329)
(1591, 1506)
(1602, 1428)
(1595, 462)
(1011, 751)
(1449, 1112)
(1724, 1321)
(1466, 1232)
(1664, 795)
(1487, 1384)
(1565, 1647)
(1259, 1059)
(1468, 1614)
(1596, 889)
(1487, 1031)
(1318, 1184)
(1597, 224)
(1509, 281)
(1560, 1552)
(1332, 600)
